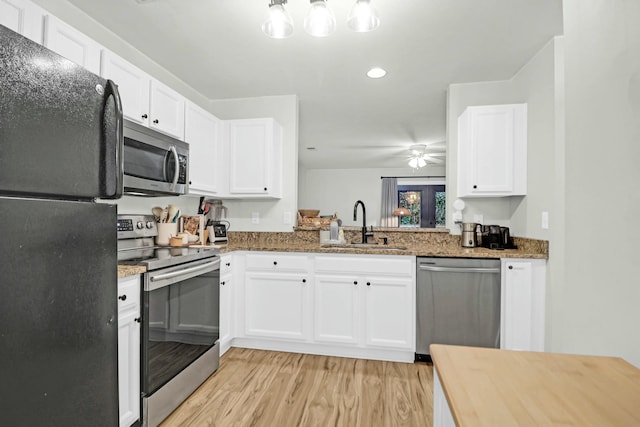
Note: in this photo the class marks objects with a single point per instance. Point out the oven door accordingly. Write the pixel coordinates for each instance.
(180, 321)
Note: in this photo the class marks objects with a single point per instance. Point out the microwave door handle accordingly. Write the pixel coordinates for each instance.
(177, 167)
(114, 172)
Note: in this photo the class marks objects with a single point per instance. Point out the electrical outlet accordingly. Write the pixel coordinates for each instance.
(255, 217)
(545, 220)
(478, 218)
(286, 218)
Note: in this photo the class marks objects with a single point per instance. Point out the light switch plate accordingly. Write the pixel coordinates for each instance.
(286, 218)
(545, 220)
(255, 217)
(478, 218)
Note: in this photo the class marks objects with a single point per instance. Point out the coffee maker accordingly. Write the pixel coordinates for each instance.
(497, 237)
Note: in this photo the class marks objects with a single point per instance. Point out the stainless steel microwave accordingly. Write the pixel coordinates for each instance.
(154, 164)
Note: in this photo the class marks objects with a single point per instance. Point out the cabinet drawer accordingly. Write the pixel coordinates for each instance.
(129, 293)
(226, 264)
(365, 264)
(278, 262)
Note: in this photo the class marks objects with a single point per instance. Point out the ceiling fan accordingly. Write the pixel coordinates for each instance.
(421, 154)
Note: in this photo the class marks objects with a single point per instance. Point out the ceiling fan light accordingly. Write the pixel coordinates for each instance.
(421, 162)
(363, 17)
(320, 22)
(279, 24)
(413, 162)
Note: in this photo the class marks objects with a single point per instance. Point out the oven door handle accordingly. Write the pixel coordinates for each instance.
(183, 274)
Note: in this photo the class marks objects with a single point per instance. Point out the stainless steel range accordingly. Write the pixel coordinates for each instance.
(180, 319)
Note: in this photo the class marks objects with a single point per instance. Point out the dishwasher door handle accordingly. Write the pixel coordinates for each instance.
(424, 267)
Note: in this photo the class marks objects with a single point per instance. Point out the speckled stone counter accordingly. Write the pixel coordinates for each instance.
(130, 270)
(423, 242)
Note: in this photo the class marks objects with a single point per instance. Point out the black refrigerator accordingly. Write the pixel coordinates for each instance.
(60, 150)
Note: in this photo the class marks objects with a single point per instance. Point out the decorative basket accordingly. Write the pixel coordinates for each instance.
(316, 221)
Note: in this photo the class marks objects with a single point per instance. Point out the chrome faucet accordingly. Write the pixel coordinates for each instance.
(365, 234)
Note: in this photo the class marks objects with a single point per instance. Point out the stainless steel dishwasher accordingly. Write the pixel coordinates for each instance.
(458, 303)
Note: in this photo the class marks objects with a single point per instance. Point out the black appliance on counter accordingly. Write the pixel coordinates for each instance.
(61, 139)
(180, 315)
(496, 237)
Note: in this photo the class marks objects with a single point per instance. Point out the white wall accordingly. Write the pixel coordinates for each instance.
(337, 190)
(285, 111)
(599, 299)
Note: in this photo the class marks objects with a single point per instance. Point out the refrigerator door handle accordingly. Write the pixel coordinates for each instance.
(114, 174)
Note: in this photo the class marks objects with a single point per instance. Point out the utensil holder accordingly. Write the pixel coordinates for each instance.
(166, 230)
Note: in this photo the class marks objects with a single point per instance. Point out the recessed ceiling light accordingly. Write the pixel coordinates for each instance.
(376, 73)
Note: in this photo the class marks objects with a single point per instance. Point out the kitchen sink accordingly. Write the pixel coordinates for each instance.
(367, 246)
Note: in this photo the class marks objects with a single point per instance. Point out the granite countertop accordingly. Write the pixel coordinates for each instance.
(392, 249)
(491, 387)
(130, 270)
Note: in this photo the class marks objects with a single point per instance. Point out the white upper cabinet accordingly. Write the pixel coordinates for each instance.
(255, 158)
(145, 100)
(72, 44)
(23, 17)
(167, 110)
(133, 86)
(492, 151)
(203, 133)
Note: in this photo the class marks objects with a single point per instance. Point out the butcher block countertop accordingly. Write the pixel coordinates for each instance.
(491, 387)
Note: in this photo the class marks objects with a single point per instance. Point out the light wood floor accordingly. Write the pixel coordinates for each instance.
(267, 388)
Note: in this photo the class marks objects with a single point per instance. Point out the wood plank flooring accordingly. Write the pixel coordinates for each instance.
(268, 388)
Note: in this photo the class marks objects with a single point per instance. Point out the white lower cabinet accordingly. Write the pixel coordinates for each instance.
(337, 304)
(226, 298)
(276, 305)
(523, 304)
(129, 292)
(442, 416)
(389, 312)
(367, 311)
(341, 305)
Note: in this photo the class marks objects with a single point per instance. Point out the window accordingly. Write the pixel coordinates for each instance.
(427, 204)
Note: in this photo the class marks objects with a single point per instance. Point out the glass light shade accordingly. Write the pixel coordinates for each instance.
(363, 17)
(320, 21)
(417, 162)
(402, 211)
(279, 24)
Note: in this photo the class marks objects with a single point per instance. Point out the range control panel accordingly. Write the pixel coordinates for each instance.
(135, 226)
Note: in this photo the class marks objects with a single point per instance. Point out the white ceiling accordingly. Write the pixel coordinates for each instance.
(217, 47)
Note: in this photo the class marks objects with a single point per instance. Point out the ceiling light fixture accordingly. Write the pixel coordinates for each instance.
(418, 154)
(363, 17)
(279, 24)
(376, 73)
(320, 21)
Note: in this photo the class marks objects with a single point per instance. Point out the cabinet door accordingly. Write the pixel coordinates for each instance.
(129, 367)
(254, 157)
(337, 309)
(389, 312)
(167, 110)
(72, 44)
(277, 305)
(226, 300)
(202, 134)
(492, 151)
(133, 85)
(129, 290)
(226, 335)
(523, 290)
(23, 17)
